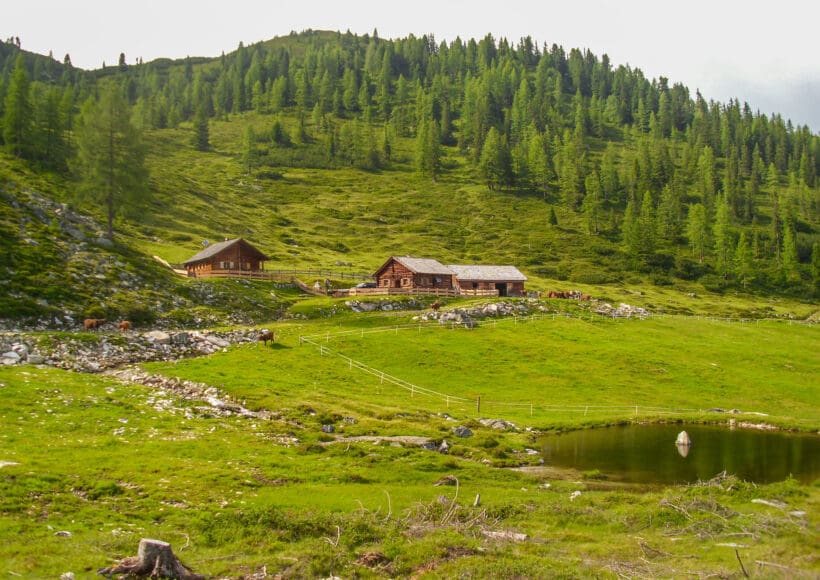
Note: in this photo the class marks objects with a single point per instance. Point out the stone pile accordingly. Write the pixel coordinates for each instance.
(110, 350)
(216, 403)
(469, 316)
(385, 305)
(622, 311)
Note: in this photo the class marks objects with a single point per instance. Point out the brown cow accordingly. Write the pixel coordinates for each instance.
(124, 326)
(266, 336)
(92, 323)
(435, 305)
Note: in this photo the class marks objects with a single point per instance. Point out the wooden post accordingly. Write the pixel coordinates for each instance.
(478, 404)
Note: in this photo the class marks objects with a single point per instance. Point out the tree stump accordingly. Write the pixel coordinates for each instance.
(154, 559)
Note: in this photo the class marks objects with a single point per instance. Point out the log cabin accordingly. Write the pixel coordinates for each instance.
(235, 256)
(410, 273)
(479, 279)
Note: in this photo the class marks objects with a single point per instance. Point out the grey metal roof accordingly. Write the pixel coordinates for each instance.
(487, 273)
(424, 265)
(214, 249)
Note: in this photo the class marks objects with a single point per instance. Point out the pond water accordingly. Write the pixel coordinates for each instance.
(647, 454)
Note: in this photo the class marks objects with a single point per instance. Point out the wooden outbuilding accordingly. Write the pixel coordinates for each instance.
(235, 256)
(477, 279)
(414, 273)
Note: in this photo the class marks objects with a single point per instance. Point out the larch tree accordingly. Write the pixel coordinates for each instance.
(722, 236)
(697, 230)
(110, 155)
(18, 112)
(744, 261)
(201, 132)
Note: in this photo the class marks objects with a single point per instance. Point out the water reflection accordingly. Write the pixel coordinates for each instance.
(650, 454)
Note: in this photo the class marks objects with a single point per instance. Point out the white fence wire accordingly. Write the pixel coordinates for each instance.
(320, 342)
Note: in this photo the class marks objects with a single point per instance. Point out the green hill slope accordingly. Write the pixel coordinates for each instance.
(317, 148)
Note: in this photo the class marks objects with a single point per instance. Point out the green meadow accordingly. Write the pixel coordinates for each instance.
(111, 463)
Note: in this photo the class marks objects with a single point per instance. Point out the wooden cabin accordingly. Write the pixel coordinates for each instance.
(410, 273)
(226, 258)
(476, 279)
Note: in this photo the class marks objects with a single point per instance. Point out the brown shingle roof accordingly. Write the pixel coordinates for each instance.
(420, 265)
(216, 248)
(487, 273)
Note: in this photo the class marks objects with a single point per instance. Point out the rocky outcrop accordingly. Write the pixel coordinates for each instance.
(109, 350)
(622, 310)
(384, 305)
(468, 317)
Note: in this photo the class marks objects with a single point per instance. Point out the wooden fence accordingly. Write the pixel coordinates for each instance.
(414, 292)
(283, 275)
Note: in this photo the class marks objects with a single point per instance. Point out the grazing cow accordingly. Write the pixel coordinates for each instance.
(124, 326)
(266, 336)
(92, 323)
(586, 297)
(435, 305)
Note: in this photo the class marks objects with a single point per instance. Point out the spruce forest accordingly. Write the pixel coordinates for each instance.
(648, 179)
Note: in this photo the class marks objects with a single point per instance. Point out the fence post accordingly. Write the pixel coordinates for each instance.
(636, 410)
(412, 390)
(448, 401)
(478, 404)
(530, 408)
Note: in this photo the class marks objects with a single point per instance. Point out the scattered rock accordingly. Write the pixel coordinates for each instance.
(499, 424)
(328, 429)
(505, 535)
(462, 432)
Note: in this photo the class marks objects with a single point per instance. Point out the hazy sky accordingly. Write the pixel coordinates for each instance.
(765, 53)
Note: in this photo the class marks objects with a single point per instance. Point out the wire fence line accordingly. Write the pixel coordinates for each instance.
(316, 341)
(494, 321)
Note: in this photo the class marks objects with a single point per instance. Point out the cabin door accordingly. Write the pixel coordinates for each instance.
(502, 288)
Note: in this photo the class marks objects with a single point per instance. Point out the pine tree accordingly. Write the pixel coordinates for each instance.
(722, 237)
(428, 150)
(647, 227)
(110, 155)
(495, 163)
(791, 265)
(18, 112)
(744, 262)
(697, 228)
(591, 206)
(538, 163)
(201, 132)
(631, 233)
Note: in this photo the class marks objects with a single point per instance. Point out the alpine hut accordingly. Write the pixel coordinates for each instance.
(229, 258)
(415, 274)
(479, 279)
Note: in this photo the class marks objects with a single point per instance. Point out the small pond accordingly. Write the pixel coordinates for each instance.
(647, 454)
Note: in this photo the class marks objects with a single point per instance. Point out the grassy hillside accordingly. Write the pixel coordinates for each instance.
(106, 463)
(312, 152)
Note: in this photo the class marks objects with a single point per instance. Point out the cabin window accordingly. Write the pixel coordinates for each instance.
(385, 282)
(405, 281)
